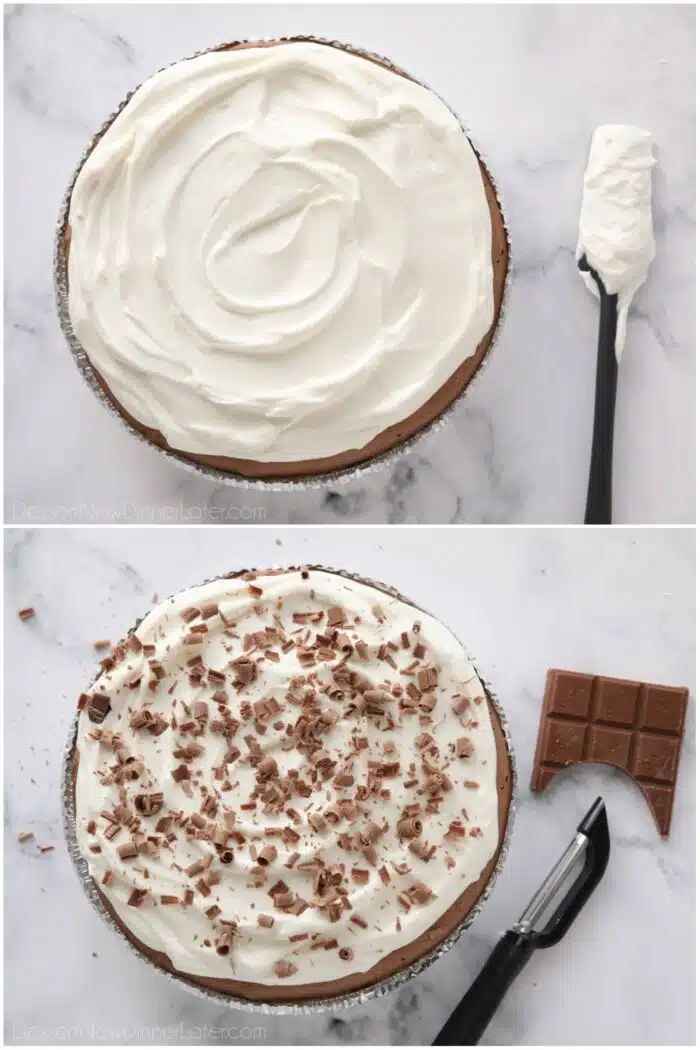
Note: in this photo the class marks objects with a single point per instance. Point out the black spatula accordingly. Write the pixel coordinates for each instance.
(599, 500)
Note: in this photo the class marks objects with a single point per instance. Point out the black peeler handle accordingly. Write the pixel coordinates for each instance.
(471, 1018)
(599, 499)
(473, 1014)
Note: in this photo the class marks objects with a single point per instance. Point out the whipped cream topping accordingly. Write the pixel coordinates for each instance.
(616, 232)
(369, 794)
(278, 252)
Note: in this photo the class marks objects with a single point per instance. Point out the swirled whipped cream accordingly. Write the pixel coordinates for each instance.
(278, 252)
(616, 232)
(285, 777)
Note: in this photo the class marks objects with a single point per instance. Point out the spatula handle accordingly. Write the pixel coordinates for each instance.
(599, 500)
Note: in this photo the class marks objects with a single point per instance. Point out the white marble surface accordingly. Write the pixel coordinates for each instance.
(617, 602)
(531, 81)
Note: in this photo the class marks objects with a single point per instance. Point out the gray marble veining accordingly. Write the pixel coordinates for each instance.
(531, 82)
(618, 602)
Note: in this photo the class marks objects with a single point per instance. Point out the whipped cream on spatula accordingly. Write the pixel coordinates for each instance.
(616, 232)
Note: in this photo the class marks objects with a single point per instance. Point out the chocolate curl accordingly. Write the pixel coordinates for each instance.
(344, 779)
(372, 832)
(266, 768)
(427, 678)
(137, 898)
(420, 893)
(141, 719)
(285, 969)
(149, 804)
(370, 855)
(465, 748)
(460, 703)
(267, 854)
(197, 868)
(221, 835)
(422, 850)
(377, 696)
(98, 708)
(334, 910)
(318, 822)
(434, 783)
(409, 828)
(224, 943)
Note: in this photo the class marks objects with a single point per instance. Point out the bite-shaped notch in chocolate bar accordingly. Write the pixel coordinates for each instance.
(634, 726)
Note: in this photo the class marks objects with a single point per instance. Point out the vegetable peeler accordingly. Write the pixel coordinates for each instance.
(592, 843)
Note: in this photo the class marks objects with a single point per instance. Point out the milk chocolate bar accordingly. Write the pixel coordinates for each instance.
(635, 726)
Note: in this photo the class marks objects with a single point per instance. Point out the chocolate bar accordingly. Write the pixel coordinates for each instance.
(635, 726)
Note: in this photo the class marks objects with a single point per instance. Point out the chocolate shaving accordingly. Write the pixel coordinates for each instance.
(223, 943)
(460, 703)
(98, 708)
(409, 828)
(267, 854)
(283, 899)
(284, 969)
(419, 893)
(336, 616)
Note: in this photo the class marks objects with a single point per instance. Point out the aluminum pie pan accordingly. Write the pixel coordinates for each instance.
(225, 477)
(308, 1006)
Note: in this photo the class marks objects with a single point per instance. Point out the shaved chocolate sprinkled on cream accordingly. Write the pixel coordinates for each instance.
(293, 745)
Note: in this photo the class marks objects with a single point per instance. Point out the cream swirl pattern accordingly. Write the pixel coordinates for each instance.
(278, 252)
(370, 753)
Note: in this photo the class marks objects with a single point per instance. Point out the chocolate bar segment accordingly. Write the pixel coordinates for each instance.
(634, 726)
